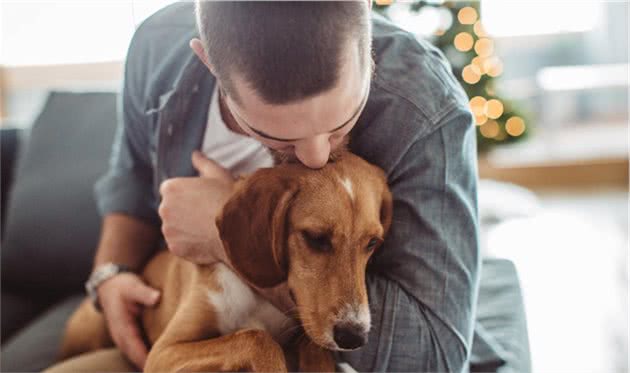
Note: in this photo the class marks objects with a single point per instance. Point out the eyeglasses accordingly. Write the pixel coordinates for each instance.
(260, 133)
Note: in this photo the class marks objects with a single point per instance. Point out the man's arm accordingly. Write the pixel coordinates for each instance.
(130, 241)
(125, 240)
(423, 284)
(126, 198)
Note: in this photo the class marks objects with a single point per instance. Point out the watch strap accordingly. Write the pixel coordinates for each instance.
(101, 274)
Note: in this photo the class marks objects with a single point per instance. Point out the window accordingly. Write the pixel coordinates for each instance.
(519, 18)
(69, 32)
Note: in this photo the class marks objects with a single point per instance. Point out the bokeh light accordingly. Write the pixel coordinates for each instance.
(515, 126)
(501, 135)
(496, 68)
(467, 15)
(463, 41)
(494, 109)
(469, 75)
(484, 47)
(479, 63)
(479, 29)
(490, 129)
(480, 119)
(477, 105)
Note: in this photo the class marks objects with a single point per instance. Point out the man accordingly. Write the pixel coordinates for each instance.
(299, 79)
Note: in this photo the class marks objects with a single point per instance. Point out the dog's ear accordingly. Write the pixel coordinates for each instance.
(386, 209)
(252, 226)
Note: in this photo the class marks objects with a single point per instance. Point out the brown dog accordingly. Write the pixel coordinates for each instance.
(314, 229)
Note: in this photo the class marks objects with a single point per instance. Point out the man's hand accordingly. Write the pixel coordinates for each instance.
(188, 210)
(122, 298)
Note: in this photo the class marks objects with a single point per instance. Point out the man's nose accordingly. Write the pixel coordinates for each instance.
(314, 153)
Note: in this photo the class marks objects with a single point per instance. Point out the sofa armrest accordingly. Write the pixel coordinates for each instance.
(9, 147)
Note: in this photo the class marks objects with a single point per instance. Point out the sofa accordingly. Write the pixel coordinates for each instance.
(50, 228)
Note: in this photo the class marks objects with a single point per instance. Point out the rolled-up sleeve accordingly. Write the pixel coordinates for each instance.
(127, 187)
(423, 284)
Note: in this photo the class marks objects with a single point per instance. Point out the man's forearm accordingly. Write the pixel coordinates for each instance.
(126, 240)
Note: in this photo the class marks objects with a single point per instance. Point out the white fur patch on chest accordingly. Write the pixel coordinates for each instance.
(239, 307)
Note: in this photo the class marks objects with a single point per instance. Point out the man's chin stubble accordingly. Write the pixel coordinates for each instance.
(284, 158)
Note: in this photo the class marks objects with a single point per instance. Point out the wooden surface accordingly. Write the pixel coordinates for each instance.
(47, 76)
(613, 172)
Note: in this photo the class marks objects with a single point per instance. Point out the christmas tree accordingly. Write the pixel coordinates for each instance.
(462, 38)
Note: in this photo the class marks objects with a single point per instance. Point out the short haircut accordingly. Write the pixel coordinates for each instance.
(286, 51)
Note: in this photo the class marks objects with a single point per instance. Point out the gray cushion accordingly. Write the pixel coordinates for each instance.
(19, 309)
(501, 342)
(52, 222)
(36, 347)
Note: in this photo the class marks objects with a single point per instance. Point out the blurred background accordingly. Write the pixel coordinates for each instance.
(548, 84)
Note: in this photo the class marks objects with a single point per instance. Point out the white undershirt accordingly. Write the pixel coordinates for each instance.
(238, 153)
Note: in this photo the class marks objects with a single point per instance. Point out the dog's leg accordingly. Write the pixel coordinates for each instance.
(313, 358)
(246, 350)
(86, 330)
(191, 342)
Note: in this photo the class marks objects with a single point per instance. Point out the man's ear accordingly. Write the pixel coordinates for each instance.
(197, 46)
(253, 227)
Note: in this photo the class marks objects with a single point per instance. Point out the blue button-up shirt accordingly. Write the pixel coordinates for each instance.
(416, 126)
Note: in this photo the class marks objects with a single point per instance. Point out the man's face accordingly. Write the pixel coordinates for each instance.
(310, 130)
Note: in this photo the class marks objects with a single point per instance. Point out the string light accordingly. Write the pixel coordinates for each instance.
(490, 62)
(490, 129)
(467, 15)
(477, 105)
(480, 119)
(469, 75)
(488, 111)
(479, 29)
(476, 69)
(493, 108)
(496, 68)
(484, 47)
(515, 126)
(479, 63)
(463, 41)
(501, 135)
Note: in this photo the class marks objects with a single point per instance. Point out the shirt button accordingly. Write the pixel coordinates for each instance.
(169, 129)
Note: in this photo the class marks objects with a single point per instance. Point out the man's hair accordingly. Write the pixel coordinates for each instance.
(285, 51)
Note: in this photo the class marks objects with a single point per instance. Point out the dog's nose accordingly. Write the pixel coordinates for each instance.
(349, 336)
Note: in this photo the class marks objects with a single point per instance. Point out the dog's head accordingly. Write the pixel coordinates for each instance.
(315, 229)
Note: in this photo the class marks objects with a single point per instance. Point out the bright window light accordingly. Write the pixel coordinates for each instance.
(583, 77)
(68, 32)
(518, 18)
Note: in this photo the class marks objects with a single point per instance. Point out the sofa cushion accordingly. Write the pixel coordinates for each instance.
(52, 222)
(501, 341)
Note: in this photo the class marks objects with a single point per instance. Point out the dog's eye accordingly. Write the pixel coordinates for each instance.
(374, 243)
(319, 242)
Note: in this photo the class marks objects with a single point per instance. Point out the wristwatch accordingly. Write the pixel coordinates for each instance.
(101, 274)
